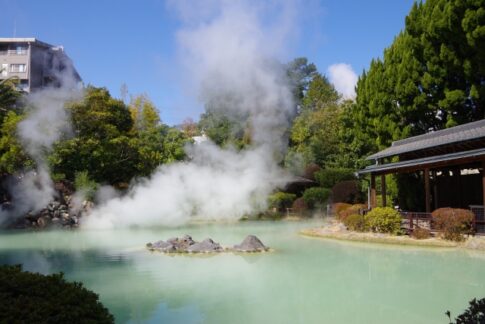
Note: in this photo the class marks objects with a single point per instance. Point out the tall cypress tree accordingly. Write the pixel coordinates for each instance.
(430, 78)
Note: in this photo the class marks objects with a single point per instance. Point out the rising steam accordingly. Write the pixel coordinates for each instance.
(230, 54)
(46, 120)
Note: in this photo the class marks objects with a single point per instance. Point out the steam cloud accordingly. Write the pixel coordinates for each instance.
(343, 77)
(230, 55)
(46, 121)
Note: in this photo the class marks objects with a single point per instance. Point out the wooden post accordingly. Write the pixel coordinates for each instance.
(435, 190)
(383, 190)
(483, 184)
(373, 191)
(427, 193)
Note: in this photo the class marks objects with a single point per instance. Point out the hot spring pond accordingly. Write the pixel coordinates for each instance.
(303, 281)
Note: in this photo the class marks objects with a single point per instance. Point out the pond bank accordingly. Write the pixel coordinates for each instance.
(337, 231)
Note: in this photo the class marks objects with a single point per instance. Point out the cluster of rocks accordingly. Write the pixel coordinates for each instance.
(57, 214)
(186, 244)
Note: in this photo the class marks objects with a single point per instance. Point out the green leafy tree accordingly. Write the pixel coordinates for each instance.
(300, 73)
(12, 155)
(144, 113)
(101, 145)
(223, 130)
(315, 132)
(9, 95)
(431, 77)
(114, 143)
(320, 94)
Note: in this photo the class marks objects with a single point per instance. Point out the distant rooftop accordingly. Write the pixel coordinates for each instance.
(24, 40)
(465, 132)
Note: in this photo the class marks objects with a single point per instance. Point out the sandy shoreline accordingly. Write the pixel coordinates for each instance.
(338, 232)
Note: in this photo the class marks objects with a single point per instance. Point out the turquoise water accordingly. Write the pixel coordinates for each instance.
(303, 281)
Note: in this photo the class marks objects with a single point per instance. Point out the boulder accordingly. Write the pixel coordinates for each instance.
(43, 221)
(162, 246)
(251, 244)
(206, 246)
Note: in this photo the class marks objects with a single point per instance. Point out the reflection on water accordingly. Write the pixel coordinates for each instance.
(302, 281)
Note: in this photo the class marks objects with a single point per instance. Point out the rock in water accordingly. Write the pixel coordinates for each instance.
(206, 246)
(251, 244)
(162, 246)
(186, 244)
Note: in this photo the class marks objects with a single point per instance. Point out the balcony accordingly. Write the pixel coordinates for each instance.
(14, 52)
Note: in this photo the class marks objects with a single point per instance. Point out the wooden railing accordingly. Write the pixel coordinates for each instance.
(479, 220)
(414, 220)
(424, 220)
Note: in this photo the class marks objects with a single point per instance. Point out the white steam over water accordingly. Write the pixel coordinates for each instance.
(46, 121)
(230, 54)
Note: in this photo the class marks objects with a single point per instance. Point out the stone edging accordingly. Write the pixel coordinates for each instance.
(471, 243)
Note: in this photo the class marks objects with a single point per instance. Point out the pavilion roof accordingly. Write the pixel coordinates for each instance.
(457, 134)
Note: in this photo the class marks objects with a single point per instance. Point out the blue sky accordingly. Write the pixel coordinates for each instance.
(133, 42)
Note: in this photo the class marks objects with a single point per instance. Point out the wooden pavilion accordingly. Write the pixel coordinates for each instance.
(450, 162)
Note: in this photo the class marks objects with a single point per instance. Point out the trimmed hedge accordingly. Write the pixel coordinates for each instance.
(421, 233)
(299, 205)
(281, 200)
(454, 223)
(316, 196)
(347, 191)
(354, 209)
(34, 298)
(355, 222)
(384, 220)
(338, 207)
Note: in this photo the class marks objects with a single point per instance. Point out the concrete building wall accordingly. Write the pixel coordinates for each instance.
(36, 64)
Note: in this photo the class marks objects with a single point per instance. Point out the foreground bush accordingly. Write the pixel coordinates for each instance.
(355, 222)
(475, 313)
(316, 196)
(281, 200)
(453, 222)
(384, 220)
(421, 233)
(34, 298)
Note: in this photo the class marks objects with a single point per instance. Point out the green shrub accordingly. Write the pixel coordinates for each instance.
(421, 233)
(316, 196)
(384, 220)
(453, 222)
(329, 177)
(281, 200)
(84, 184)
(355, 222)
(34, 298)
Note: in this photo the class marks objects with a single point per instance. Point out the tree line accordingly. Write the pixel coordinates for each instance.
(112, 142)
(431, 77)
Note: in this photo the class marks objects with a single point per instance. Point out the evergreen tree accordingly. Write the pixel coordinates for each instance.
(431, 77)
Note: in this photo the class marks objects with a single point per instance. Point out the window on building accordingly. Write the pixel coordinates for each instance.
(18, 67)
(4, 69)
(21, 50)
